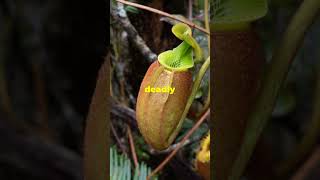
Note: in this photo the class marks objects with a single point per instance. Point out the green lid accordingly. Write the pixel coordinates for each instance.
(180, 58)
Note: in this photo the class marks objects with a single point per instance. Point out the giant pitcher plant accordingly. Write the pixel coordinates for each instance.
(238, 62)
(160, 115)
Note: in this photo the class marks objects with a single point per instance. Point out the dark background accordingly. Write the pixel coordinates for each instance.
(50, 53)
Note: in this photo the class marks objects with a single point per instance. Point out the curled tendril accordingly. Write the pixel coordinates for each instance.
(180, 58)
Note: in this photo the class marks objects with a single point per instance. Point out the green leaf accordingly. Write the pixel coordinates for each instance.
(184, 32)
(131, 9)
(199, 93)
(120, 168)
(236, 11)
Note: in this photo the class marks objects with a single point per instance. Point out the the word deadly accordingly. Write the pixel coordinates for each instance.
(166, 89)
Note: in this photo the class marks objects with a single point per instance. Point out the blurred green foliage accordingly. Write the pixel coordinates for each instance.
(120, 168)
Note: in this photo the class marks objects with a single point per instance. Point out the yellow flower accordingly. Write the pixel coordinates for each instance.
(203, 158)
(204, 153)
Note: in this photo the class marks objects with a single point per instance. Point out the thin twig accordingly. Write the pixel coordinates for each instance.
(185, 138)
(309, 166)
(206, 20)
(275, 75)
(169, 149)
(133, 150)
(190, 4)
(123, 113)
(120, 15)
(193, 25)
(114, 132)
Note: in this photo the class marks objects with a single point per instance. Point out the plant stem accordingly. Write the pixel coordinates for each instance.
(206, 103)
(185, 138)
(133, 149)
(310, 138)
(196, 84)
(272, 81)
(191, 24)
(309, 166)
(190, 4)
(115, 134)
(195, 88)
(206, 20)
